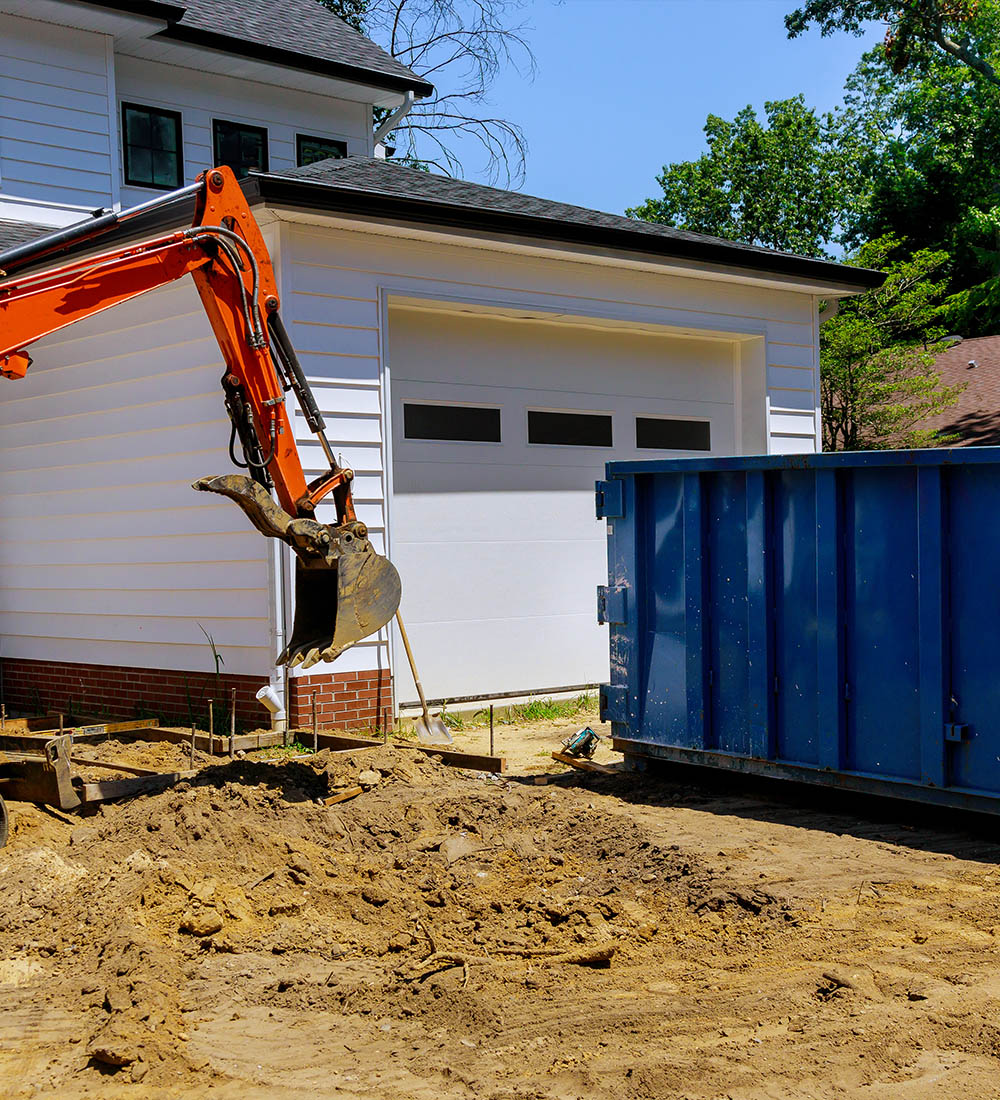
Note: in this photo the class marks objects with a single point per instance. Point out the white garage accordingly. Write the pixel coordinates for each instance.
(500, 427)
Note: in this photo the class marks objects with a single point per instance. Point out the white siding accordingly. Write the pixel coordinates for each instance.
(107, 555)
(55, 109)
(201, 97)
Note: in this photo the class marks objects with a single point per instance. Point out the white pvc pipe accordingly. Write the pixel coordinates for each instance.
(269, 698)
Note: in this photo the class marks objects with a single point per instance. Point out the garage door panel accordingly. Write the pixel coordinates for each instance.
(494, 516)
(516, 581)
(602, 362)
(477, 658)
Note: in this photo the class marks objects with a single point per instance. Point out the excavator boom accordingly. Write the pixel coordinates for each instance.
(344, 590)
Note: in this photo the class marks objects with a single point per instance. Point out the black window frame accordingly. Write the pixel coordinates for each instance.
(163, 112)
(552, 416)
(452, 407)
(300, 138)
(244, 126)
(687, 421)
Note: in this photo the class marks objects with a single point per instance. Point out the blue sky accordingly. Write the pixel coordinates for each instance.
(623, 86)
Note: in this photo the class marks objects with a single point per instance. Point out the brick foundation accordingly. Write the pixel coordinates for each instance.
(348, 700)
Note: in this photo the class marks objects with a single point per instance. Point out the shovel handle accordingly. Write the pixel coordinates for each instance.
(413, 665)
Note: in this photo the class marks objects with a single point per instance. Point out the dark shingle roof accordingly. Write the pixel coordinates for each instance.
(375, 186)
(300, 34)
(975, 417)
(14, 233)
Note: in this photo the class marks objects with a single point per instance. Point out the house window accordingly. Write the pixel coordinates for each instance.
(240, 146)
(151, 139)
(308, 150)
(663, 434)
(459, 423)
(569, 429)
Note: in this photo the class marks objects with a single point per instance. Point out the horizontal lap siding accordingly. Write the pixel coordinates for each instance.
(107, 555)
(202, 97)
(55, 141)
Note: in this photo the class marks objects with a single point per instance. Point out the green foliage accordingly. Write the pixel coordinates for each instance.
(878, 381)
(962, 30)
(776, 184)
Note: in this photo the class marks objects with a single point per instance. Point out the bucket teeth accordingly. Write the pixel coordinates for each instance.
(344, 591)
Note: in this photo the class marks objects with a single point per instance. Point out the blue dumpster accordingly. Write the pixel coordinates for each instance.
(829, 618)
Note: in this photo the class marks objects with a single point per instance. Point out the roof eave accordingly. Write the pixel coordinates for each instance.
(336, 70)
(328, 197)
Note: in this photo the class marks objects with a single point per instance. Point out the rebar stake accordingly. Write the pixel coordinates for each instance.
(192, 746)
(211, 730)
(491, 729)
(315, 727)
(232, 727)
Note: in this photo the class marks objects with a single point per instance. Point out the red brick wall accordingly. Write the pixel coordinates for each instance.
(346, 700)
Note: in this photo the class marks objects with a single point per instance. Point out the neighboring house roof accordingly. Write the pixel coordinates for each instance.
(975, 418)
(299, 34)
(376, 187)
(14, 233)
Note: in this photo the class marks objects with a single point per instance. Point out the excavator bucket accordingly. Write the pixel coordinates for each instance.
(344, 591)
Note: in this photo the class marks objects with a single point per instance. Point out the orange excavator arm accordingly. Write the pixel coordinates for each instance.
(344, 590)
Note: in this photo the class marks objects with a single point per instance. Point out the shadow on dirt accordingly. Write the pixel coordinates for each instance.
(960, 833)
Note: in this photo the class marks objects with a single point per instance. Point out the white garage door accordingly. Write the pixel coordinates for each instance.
(499, 430)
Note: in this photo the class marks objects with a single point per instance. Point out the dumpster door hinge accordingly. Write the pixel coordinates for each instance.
(611, 604)
(613, 701)
(610, 499)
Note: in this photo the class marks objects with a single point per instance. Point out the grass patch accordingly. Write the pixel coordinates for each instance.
(537, 710)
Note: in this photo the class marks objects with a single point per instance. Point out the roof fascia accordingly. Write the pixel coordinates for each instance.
(337, 70)
(708, 257)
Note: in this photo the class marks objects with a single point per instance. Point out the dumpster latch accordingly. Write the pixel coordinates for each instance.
(610, 499)
(955, 731)
(611, 604)
(613, 700)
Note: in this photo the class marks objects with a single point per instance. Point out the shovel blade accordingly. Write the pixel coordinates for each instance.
(339, 605)
(432, 731)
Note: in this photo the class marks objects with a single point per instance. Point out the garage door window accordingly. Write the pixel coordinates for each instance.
(455, 423)
(663, 434)
(569, 429)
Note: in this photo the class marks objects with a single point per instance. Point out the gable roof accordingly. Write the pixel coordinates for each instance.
(975, 417)
(296, 34)
(377, 187)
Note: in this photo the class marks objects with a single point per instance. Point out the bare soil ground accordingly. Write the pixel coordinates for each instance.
(448, 934)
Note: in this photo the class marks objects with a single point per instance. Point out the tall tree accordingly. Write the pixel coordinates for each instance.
(877, 381)
(964, 30)
(460, 46)
(776, 184)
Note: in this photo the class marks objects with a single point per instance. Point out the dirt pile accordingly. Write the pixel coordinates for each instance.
(431, 881)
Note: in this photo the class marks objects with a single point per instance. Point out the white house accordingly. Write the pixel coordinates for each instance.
(479, 355)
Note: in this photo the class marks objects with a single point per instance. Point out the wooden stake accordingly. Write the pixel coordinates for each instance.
(192, 744)
(211, 729)
(232, 726)
(315, 727)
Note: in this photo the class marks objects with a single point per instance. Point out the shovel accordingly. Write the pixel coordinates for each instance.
(430, 729)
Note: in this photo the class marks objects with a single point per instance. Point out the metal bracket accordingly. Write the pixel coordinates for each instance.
(610, 499)
(611, 604)
(955, 731)
(614, 698)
